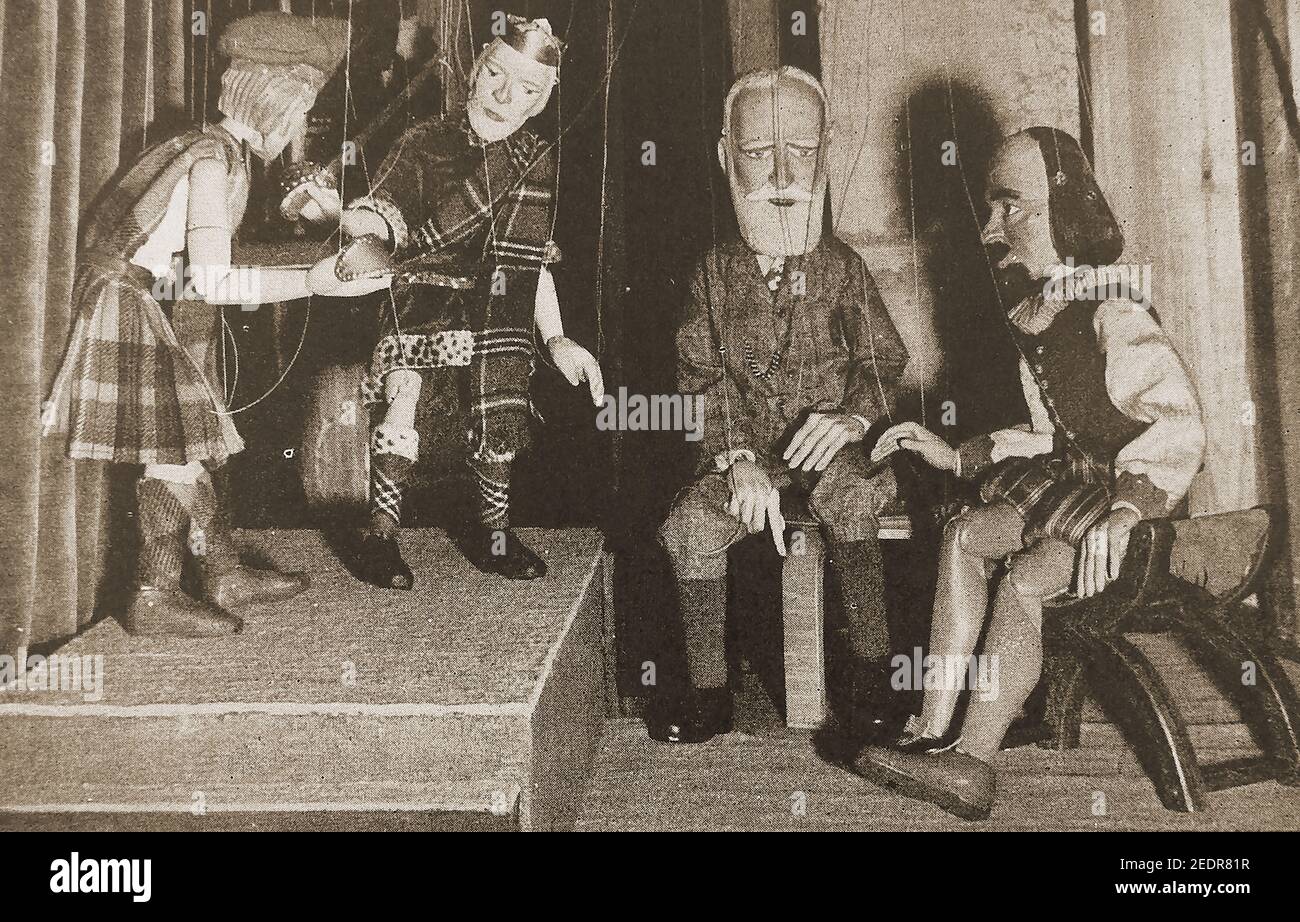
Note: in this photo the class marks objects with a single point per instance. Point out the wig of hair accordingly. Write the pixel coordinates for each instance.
(1083, 226)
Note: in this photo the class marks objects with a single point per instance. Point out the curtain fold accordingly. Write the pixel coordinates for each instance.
(72, 114)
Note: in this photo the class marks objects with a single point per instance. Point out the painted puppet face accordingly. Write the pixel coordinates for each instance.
(1018, 233)
(774, 159)
(508, 89)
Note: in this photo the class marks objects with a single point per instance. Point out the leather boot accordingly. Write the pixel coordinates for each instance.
(693, 718)
(225, 581)
(954, 780)
(862, 713)
(380, 563)
(158, 606)
(499, 550)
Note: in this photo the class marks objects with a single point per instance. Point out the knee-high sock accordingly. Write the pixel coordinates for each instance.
(1016, 638)
(163, 519)
(492, 478)
(860, 575)
(393, 450)
(210, 536)
(703, 605)
(961, 599)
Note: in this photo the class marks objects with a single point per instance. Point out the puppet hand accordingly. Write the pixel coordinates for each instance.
(820, 438)
(358, 222)
(322, 205)
(751, 491)
(915, 437)
(362, 267)
(1102, 551)
(577, 364)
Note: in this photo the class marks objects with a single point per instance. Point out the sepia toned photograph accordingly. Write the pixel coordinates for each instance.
(650, 415)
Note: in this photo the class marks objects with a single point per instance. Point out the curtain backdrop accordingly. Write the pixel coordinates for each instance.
(71, 114)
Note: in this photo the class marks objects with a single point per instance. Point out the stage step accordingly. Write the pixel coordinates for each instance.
(469, 693)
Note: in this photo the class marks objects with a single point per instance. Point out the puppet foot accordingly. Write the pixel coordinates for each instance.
(949, 778)
(862, 715)
(246, 586)
(693, 718)
(499, 550)
(158, 612)
(380, 563)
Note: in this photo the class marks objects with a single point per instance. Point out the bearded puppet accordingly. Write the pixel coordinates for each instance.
(1114, 435)
(788, 343)
(139, 382)
(465, 205)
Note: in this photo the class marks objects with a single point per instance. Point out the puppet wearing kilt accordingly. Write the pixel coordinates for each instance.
(138, 383)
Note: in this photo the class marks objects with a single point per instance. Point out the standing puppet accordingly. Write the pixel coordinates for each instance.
(138, 384)
(789, 343)
(466, 202)
(1114, 436)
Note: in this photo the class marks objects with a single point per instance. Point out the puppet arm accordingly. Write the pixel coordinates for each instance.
(727, 434)
(1147, 381)
(1024, 441)
(207, 239)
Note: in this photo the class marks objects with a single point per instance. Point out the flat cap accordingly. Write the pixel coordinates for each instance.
(285, 40)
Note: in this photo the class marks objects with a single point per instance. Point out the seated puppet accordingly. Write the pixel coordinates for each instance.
(789, 343)
(138, 384)
(470, 195)
(1114, 436)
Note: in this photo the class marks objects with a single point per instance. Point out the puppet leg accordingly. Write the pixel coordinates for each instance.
(696, 535)
(226, 582)
(848, 505)
(490, 544)
(394, 448)
(166, 495)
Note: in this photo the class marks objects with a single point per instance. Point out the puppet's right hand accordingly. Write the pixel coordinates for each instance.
(322, 206)
(751, 489)
(915, 437)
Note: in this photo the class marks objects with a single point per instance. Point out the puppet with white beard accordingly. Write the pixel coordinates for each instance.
(790, 345)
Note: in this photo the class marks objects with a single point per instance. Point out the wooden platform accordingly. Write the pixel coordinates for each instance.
(470, 693)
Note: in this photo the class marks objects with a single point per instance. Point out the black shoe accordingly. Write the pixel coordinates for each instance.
(692, 718)
(380, 563)
(863, 714)
(956, 781)
(499, 551)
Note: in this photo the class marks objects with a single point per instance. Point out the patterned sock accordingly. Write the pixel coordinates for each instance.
(388, 474)
(493, 481)
(210, 536)
(859, 572)
(163, 521)
(704, 616)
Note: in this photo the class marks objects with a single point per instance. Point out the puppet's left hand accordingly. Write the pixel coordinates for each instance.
(1102, 551)
(577, 364)
(820, 438)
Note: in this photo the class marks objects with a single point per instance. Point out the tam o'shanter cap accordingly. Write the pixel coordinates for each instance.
(285, 40)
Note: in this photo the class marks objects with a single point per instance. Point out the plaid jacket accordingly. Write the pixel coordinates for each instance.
(826, 326)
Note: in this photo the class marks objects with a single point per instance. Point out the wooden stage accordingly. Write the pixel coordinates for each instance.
(469, 695)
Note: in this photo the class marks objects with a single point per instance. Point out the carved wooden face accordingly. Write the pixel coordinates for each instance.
(508, 89)
(1018, 232)
(775, 161)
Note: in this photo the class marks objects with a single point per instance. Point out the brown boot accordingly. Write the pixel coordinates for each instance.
(226, 582)
(158, 606)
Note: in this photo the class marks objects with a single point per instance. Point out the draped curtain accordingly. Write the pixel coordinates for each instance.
(72, 113)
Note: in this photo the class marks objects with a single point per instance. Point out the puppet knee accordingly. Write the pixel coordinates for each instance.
(696, 536)
(402, 391)
(187, 474)
(849, 507)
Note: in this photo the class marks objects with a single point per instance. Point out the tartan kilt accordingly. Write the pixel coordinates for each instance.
(138, 384)
(1057, 497)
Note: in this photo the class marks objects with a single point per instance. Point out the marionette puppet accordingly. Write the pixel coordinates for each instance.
(139, 382)
(1114, 436)
(466, 204)
(789, 342)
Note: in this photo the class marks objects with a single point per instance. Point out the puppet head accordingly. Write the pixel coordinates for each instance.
(513, 78)
(278, 63)
(773, 150)
(1046, 208)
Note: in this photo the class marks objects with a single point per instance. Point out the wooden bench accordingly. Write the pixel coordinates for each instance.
(803, 613)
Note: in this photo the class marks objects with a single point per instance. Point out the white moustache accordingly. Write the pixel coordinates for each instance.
(788, 194)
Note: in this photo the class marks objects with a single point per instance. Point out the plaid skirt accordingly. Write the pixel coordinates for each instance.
(1057, 497)
(135, 387)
